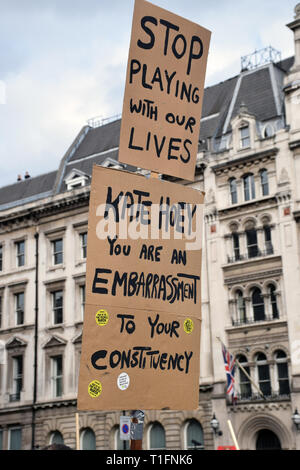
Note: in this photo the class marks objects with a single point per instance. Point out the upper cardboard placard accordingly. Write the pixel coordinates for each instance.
(163, 92)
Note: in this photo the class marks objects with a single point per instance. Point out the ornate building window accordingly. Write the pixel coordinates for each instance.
(87, 439)
(233, 191)
(258, 305)
(157, 438)
(19, 308)
(56, 438)
(245, 137)
(264, 182)
(240, 307)
(244, 382)
(17, 377)
(20, 253)
(282, 373)
(57, 375)
(252, 245)
(194, 435)
(236, 246)
(15, 438)
(273, 301)
(57, 251)
(263, 374)
(268, 240)
(57, 307)
(249, 187)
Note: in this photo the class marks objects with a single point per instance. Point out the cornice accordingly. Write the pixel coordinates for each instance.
(34, 214)
(246, 159)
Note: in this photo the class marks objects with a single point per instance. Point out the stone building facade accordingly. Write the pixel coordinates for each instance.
(248, 165)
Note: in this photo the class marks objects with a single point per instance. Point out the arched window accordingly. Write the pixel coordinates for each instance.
(267, 440)
(244, 382)
(252, 246)
(282, 373)
(236, 246)
(56, 438)
(120, 444)
(240, 307)
(264, 181)
(157, 438)
(88, 439)
(233, 191)
(194, 435)
(263, 374)
(268, 240)
(249, 187)
(268, 131)
(258, 305)
(273, 301)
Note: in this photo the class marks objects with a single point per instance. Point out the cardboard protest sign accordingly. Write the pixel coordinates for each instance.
(163, 92)
(141, 334)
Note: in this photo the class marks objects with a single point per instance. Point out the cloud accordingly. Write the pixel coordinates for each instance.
(63, 62)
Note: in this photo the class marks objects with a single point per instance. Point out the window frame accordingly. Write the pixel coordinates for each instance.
(245, 138)
(249, 187)
(233, 191)
(20, 255)
(263, 174)
(55, 308)
(56, 378)
(56, 253)
(19, 312)
(258, 313)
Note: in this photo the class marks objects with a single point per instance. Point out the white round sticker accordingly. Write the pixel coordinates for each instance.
(123, 381)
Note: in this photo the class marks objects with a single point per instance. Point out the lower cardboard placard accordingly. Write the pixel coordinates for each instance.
(138, 359)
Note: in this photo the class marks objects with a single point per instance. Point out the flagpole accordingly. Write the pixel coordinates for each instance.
(246, 373)
(233, 435)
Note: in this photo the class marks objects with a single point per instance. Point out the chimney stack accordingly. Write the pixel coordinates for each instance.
(27, 175)
(19, 178)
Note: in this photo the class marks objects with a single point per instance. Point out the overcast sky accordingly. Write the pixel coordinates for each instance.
(63, 62)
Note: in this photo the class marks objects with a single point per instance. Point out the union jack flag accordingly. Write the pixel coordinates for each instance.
(229, 362)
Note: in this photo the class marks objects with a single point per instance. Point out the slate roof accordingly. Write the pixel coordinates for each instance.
(254, 88)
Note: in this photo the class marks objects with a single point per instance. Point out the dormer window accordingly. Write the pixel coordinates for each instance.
(245, 137)
(76, 179)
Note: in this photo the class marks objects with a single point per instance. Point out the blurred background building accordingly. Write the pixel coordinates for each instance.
(248, 164)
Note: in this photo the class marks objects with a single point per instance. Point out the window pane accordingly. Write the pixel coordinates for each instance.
(57, 307)
(194, 435)
(88, 440)
(19, 300)
(157, 437)
(56, 438)
(252, 243)
(236, 246)
(57, 376)
(15, 439)
(245, 137)
(264, 182)
(83, 244)
(57, 251)
(20, 253)
(258, 305)
(233, 191)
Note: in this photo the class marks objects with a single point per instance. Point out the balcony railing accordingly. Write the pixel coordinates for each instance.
(250, 321)
(253, 253)
(274, 396)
